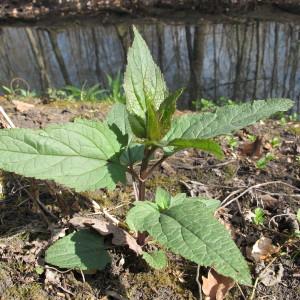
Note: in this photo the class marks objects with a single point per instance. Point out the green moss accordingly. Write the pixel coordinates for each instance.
(170, 183)
(24, 292)
(153, 281)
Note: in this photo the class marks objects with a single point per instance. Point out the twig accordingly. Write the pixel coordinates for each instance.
(82, 275)
(260, 276)
(152, 168)
(242, 293)
(224, 204)
(7, 118)
(61, 272)
(110, 217)
(277, 216)
(198, 282)
(66, 290)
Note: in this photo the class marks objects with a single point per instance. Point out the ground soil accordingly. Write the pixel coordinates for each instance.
(25, 232)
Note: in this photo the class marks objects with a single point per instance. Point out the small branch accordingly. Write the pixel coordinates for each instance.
(133, 173)
(7, 118)
(152, 168)
(225, 203)
(198, 282)
(277, 216)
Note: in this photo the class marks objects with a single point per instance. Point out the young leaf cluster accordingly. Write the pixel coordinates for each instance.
(88, 155)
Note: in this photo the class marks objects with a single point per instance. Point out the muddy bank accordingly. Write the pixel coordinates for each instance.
(35, 9)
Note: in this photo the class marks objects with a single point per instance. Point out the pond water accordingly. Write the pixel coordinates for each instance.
(250, 59)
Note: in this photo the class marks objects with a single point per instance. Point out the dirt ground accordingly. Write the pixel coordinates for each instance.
(26, 230)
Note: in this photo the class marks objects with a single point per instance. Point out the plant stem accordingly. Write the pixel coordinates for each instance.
(143, 172)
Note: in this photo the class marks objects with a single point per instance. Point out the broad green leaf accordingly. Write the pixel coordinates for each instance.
(210, 204)
(225, 120)
(190, 229)
(152, 124)
(132, 154)
(142, 78)
(81, 250)
(167, 109)
(162, 198)
(118, 122)
(79, 155)
(157, 260)
(209, 146)
(138, 126)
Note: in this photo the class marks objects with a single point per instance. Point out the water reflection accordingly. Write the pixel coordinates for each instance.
(253, 59)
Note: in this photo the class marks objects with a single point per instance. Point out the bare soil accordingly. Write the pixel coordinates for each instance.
(26, 230)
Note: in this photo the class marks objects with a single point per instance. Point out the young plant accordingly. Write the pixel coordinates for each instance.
(85, 93)
(115, 89)
(89, 155)
(263, 162)
(259, 216)
(232, 142)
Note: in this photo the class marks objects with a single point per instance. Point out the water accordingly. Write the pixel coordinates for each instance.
(246, 60)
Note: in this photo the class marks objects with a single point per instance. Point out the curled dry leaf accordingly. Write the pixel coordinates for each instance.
(216, 286)
(263, 249)
(106, 227)
(252, 149)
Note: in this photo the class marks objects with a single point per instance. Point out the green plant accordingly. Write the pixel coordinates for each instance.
(18, 92)
(85, 93)
(115, 89)
(251, 137)
(263, 162)
(88, 155)
(259, 216)
(232, 142)
(204, 105)
(275, 142)
(58, 94)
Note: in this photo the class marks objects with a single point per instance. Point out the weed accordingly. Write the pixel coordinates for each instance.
(115, 89)
(85, 93)
(263, 162)
(259, 216)
(88, 155)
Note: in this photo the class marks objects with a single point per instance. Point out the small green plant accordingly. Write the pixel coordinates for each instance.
(204, 105)
(259, 216)
(18, 92)
(232, 142)
(298, 158)
(263, 162)
(251, 137)
(275, 142)
(57, 94)
(89, 155)
(115, 89)
(85, 93)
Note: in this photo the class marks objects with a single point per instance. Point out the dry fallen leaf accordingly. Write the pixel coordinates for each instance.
(106, 227)
(22, 106)
(216, 286)
(252, 149)
(269, 201)
(263, 249)
(272, 275)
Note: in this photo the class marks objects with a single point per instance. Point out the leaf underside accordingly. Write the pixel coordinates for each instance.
(78, 155)
(190, 229)
(225, 120)
(81, 250)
